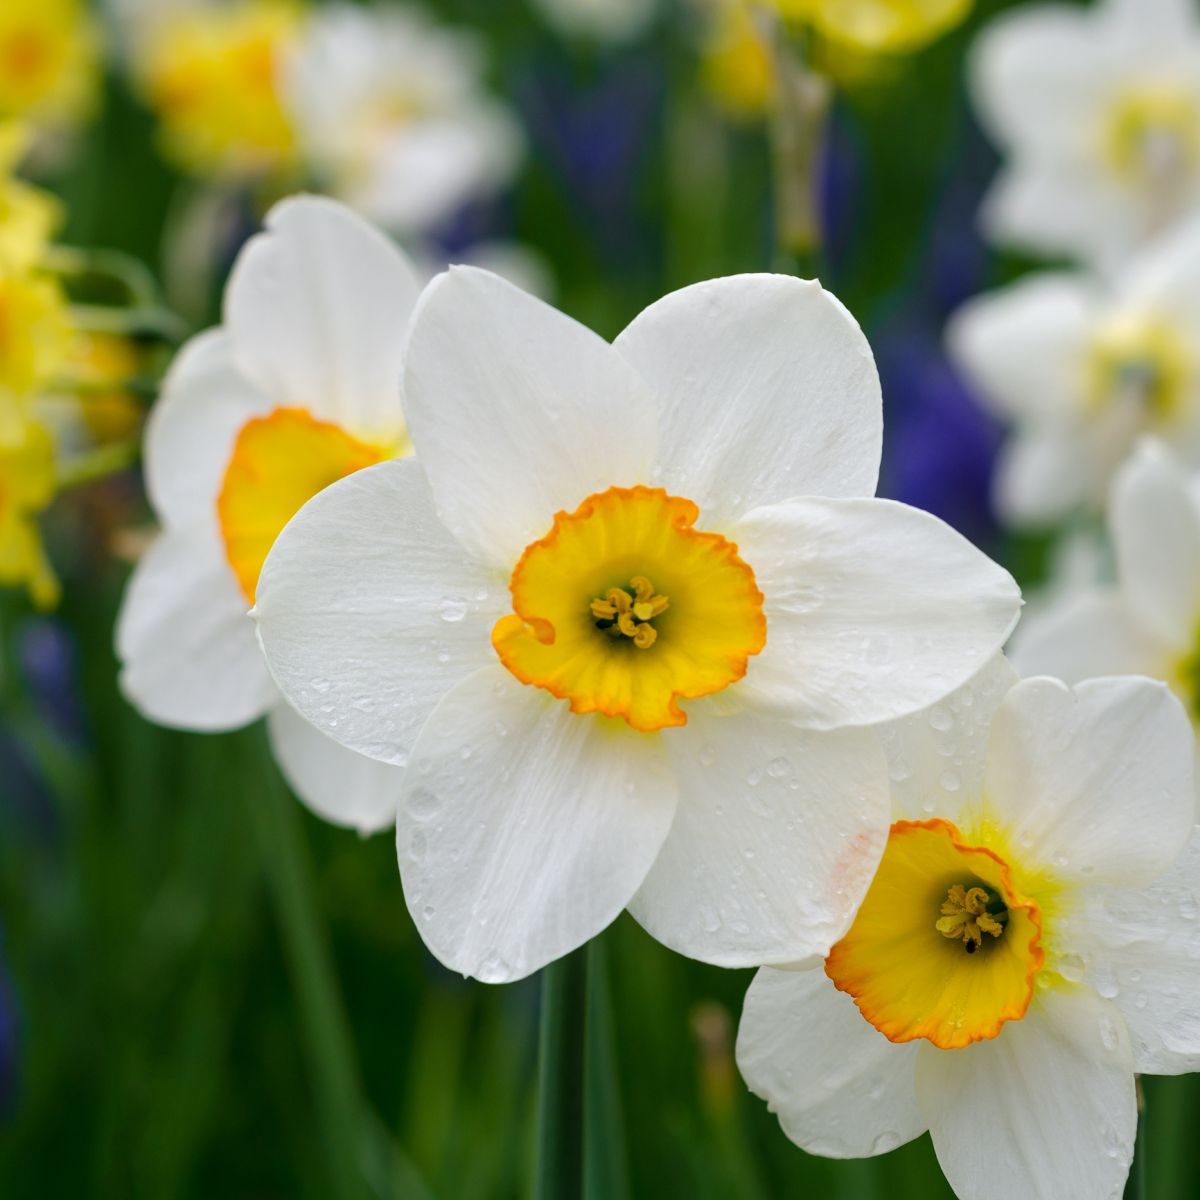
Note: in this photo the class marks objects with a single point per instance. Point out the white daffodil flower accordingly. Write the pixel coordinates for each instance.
(1082, 369)
(299, 386)
(602, 20)
(1148, 622)
(626, 620)
(1028, 944)
(1098, 113)
(391, 116)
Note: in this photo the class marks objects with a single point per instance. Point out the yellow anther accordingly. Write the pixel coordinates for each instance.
(965, 917)
(619, 599)
(623, 614)
(644, 636)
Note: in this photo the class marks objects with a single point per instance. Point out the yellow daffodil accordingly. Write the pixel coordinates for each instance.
(27, 483)
(49, 54)
(876, 26)
(28, 215)
(213, 75)
(35, 335)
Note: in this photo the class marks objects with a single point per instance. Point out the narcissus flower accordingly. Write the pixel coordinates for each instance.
(624, 619)
(49, 57)
(603, 20)
(1028, 943)
(297, 388)
(392, 118)
(1098, 111)
(27, 486)
(28, 215)
(213, 73)
(1148, 622)
(878, 26)
(1082, 368)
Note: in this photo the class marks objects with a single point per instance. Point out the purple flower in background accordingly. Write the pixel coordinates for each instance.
(941, 445)
(47, 655)
(595, 140)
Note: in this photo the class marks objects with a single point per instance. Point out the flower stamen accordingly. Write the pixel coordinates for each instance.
(966, 915)
(629, 613)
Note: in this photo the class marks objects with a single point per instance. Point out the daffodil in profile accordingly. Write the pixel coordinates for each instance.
(1097, 111)
(1147, 622)
(626, 619)
(1081, 368)
(877, 26)
(298, 387)
(1028, 943)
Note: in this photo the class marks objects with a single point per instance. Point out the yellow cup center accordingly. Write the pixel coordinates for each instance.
(280, 461)
(943, 947)
(588, 625)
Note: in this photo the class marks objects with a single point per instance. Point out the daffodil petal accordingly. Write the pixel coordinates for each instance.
(1023, 346)
(192, 428)
(187, 649)
(339, 785)
(1064, 205)
(517, 411)
(1088, 634)
(765, 389)
(318, 306)
(369, 611)
(936, 757)
(874, 610)
(1042, 474)
(1155, 518)
(1141, 947)
(523, 829)
(838, 1086)
(775, 840)
(1045, 1111)
(1094, 783)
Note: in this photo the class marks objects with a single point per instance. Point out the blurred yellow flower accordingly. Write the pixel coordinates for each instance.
(877, 26)
(27, 482)
(212, 74)
(49, 55)
(28, 215)
(35, 336)
(736, 61)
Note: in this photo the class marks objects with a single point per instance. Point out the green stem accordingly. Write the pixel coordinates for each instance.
(606, 1171)
(96, 464)
(288, 871)
(1135, 1185)
(559, 1171)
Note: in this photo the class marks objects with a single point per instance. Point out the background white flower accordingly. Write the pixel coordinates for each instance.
(299, 384)
(1087, 798)
(739, 828)
(391, 115)
(1082, 368)
(1098, 113)
(1148, 621)
(604, 20)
